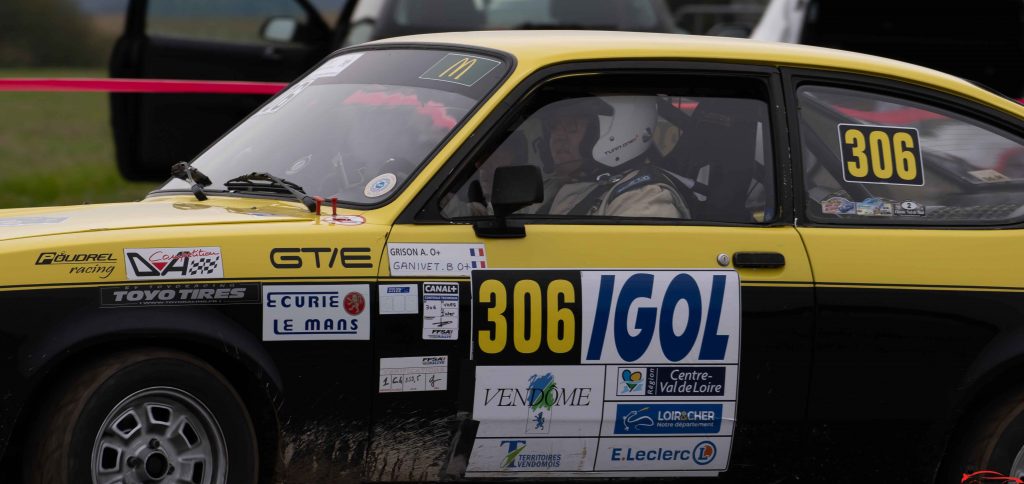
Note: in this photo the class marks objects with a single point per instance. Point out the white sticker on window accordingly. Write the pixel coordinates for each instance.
(330, 68)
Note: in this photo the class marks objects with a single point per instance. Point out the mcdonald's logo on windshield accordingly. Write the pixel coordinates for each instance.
(460, 69)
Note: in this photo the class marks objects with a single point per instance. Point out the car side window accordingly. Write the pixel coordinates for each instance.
(675, 148)
(876, 159)
(260, 22)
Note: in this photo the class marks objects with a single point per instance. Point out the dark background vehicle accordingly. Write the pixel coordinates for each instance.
(983, 42)
(276, 40)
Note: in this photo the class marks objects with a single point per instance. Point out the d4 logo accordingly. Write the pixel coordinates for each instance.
(174, 263)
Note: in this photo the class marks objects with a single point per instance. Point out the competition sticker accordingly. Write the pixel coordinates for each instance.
(441, 311)
(380, 185)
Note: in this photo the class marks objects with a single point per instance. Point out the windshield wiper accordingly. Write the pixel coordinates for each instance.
(265, 182)
(182, 170)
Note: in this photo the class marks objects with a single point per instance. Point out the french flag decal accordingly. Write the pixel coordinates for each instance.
(478, 258)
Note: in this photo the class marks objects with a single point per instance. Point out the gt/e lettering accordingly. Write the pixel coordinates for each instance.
(329, 257)
(881, 154)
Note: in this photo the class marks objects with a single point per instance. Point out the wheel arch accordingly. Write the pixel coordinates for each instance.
(202, 333)
(996, 369)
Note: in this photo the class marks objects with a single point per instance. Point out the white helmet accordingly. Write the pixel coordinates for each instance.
(628, 132)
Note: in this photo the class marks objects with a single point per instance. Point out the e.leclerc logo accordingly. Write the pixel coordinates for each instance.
(701, 454)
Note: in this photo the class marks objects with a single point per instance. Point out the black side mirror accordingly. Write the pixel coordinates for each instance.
(514, 187)
(280, 29)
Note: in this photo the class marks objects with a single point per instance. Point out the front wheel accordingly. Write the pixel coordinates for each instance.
(143, 417)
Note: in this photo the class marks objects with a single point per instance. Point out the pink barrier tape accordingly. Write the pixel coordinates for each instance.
(139, 86)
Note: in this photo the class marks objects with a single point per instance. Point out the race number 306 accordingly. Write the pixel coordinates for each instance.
(881, 154)
(623, 316)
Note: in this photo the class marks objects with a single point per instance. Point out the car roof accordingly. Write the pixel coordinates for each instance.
(536, 49)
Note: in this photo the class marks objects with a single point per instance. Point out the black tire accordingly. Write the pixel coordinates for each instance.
(61, 444)
(989, 439)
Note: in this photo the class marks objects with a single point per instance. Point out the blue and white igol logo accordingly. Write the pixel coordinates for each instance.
(380, 185)
(704, 452)
(660, 317)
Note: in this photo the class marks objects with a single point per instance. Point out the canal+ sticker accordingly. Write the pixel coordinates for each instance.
(316, 312)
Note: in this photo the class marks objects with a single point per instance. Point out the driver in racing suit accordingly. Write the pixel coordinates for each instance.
(596, 148)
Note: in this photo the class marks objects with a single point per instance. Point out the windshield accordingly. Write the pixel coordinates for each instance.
(357, 126)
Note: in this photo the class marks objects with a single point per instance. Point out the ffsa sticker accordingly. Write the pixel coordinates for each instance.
(881, 154)
(316, 312)
(606, 317)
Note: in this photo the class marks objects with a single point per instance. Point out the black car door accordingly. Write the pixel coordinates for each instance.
(241, 40)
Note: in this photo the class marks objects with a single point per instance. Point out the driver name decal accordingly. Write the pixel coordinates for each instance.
(436, 259)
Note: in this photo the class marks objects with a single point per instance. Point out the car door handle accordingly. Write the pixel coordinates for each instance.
(758, 260)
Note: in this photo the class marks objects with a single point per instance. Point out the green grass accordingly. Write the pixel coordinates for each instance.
(56, 148)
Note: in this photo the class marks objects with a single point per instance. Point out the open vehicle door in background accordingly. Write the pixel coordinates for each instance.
(261, 40)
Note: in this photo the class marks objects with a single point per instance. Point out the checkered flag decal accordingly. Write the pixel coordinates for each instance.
(203, 265)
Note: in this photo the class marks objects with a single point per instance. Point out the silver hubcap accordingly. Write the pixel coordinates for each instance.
(1017, 469)
(159, 435)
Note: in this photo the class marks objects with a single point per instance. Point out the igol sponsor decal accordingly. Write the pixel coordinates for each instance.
(100, 263)
(180, 294)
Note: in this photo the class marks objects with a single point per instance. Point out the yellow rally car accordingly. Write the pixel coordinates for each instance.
(542, 255)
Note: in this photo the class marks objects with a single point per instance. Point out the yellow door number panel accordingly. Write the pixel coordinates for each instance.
(881, 154)
(527, 313)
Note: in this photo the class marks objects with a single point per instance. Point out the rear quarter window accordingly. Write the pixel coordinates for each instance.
(877, 159)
